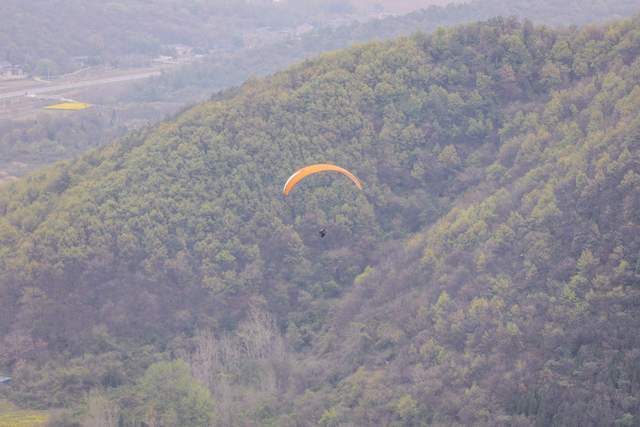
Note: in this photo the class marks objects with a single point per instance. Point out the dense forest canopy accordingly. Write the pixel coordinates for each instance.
(488, 274)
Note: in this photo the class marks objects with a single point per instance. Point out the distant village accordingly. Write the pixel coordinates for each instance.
(268, 35)
(181, 54)
(9, 71)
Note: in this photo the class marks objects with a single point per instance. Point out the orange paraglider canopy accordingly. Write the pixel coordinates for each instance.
(310, 170)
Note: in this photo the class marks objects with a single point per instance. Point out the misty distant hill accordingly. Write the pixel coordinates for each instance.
(239, 40)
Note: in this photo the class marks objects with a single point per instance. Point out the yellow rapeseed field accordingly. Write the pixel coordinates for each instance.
(22, 419)
(10, 416)
(69, 106)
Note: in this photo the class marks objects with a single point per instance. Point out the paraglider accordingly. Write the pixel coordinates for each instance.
(313, 169)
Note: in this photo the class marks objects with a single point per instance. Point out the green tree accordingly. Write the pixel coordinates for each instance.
(169, 396)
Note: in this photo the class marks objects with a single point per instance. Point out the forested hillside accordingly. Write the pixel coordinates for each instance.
(488, 274)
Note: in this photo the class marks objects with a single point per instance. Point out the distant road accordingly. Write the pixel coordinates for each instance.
(77, 85)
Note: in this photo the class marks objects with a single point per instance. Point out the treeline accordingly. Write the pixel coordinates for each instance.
(46, 138)
(487, 275)
(29, 143)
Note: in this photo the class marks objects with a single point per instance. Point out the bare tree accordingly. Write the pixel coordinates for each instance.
(101, 412)
(243, 368)
(205, 361)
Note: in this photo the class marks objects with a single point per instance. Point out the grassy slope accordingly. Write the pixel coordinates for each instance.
(10, 416)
